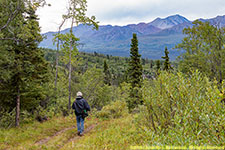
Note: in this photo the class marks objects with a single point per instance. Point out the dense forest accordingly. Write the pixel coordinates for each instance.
(149, 102)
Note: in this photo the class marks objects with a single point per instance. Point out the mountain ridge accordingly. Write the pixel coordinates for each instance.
(169, 22)
(115, 40)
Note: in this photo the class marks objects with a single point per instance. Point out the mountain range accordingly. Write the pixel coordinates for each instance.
(153, 37)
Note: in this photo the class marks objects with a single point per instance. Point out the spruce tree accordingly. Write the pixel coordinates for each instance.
(167, 65)
(107, 75)
(28, 68)
(134, 73)
(151, 64)
(158, 65)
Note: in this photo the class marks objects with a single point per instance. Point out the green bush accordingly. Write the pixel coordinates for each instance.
(26, 117)
(186, 107)
(7, 119)
(93, 88)
(115, 109)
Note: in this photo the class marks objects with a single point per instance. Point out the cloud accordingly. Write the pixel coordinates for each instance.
(51, 17)
(122, 12)
(142, 9)
(119, 10)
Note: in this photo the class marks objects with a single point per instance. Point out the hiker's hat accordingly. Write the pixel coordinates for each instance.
(79, 94)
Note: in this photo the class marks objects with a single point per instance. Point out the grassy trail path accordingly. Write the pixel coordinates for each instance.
(52, 134)
(60, 134)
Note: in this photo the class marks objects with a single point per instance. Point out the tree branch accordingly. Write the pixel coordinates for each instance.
(12, 16)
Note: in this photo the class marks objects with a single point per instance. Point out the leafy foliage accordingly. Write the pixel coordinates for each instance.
(94, 89)
(115, 109)
(67, 40)
(77, 13)
(187, 107)
(204, 50)
(117, 66)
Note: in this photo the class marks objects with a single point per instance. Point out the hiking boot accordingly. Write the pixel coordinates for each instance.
(81, 134)
(78, 133)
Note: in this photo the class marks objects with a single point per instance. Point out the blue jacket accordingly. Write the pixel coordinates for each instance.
(80, 104)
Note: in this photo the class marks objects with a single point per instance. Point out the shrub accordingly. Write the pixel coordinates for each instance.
(186, 107)
(113, 110)
(95, 91)
(7, 119)
(26, 117)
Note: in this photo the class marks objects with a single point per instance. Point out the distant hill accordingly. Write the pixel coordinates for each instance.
(115, 40)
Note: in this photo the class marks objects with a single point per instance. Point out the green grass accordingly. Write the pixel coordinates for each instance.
(112, 134)
(61, 133)
(109, 134)
(31, 133)
(26, 136)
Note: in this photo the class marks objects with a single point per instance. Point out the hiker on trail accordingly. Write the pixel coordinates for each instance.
(81, 107)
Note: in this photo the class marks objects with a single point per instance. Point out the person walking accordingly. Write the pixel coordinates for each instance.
(81, 107)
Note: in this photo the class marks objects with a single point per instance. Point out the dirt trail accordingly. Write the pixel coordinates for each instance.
(88, 129)
(74, 138)
(43, 141)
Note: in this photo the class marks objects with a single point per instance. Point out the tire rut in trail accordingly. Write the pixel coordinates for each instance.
(45, 140)
(88, 129)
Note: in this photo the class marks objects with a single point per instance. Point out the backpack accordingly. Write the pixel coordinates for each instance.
(84, 114)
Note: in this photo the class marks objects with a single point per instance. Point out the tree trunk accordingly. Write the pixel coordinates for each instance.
(69, 104)
(57, 56)
(70, 66)
(56, 66)
(220, 59)
(18, 108)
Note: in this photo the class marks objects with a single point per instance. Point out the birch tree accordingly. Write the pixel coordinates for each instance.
(77, 15)
(204, 50)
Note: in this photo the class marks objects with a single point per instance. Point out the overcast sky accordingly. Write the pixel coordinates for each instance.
(123, 12)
